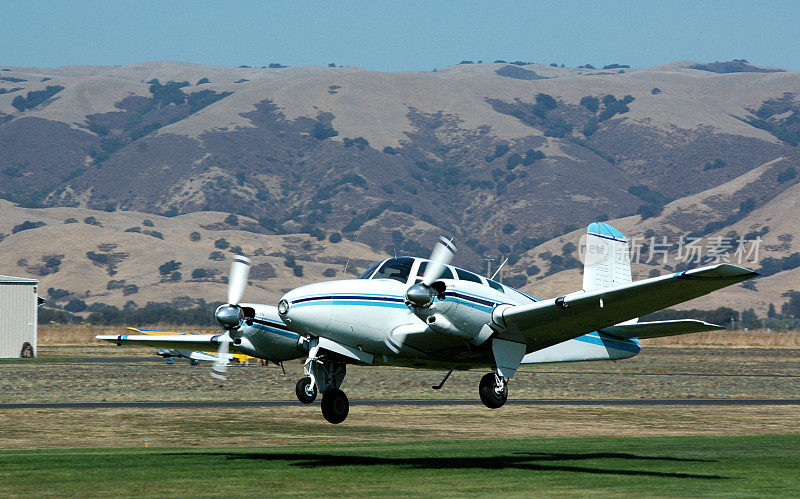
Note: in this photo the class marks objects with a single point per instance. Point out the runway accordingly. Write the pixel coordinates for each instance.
(158, 360)
(190, 404)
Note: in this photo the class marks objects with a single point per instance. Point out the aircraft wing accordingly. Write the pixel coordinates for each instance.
(548, 322)
(178, 341)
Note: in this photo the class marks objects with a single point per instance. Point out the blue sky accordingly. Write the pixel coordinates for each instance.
(399, 35)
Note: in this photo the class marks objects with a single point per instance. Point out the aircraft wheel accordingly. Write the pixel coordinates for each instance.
(304, 391)
(488, 392)
(335, 406)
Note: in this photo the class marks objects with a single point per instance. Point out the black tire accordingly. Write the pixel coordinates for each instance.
(302, 394)
(489, 395)
(335, 406)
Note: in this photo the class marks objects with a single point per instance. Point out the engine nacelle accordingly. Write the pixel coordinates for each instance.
(244, 345)
(440, 324)
(229, 316)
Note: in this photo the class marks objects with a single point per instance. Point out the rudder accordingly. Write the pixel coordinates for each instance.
(606, 261)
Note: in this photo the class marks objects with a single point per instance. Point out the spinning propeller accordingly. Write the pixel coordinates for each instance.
(422, 293)
(230, 316)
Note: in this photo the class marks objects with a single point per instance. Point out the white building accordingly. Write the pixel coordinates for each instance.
(18, 316)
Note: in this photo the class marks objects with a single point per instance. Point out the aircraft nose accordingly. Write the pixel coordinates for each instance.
(285, 309)
(303, 314)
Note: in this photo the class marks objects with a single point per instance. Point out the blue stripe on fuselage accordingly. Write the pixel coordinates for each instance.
(476, 301)
(347, 297)
(337, 301)
(275, 329)
(596, 338)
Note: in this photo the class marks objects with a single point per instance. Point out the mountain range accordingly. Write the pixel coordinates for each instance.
(130, 184)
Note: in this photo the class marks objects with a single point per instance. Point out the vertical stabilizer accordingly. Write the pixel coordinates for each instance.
(606, 261)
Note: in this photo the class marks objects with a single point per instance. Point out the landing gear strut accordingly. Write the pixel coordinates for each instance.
(493, 390)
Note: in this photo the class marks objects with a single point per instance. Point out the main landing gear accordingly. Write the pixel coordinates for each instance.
(493, 390)
(324, 375)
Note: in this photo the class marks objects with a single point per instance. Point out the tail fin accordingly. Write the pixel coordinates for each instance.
(606, 262)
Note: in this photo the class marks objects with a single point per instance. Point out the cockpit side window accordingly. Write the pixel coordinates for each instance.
(446, 273)
(395, 268)
(495, 285)
(368, 273)
(468, 276)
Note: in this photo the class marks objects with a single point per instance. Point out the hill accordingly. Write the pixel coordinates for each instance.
(509, 159)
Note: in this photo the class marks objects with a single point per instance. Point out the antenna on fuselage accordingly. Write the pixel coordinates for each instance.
(499, 269)
(344, 273)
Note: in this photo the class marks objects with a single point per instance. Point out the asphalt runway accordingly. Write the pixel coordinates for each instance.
(189, 404)
(135, 360)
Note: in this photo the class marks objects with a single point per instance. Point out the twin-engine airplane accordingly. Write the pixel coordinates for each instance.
(422, 313)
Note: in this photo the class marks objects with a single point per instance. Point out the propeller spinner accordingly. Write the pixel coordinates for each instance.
(230, 316)
(422, 293)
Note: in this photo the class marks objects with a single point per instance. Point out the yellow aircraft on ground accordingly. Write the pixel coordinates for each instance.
(195, 356)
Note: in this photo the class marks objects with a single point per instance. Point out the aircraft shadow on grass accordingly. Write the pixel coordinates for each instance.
(531, 461)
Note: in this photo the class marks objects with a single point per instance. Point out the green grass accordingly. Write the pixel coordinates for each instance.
(724, 466)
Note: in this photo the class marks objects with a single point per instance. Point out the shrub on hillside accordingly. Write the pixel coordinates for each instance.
(34, 98)
(27, 225)
(787, 174)
(591, 103)
(169, 267)
(322, 131)
(75, 305)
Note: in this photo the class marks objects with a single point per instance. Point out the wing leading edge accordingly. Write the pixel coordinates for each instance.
(176, 341)
(549, 322)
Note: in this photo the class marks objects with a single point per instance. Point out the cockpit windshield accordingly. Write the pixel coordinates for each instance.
(446, 273)
(395, 268)
(368, 273)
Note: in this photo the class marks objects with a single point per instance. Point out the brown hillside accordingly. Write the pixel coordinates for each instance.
(508, 159)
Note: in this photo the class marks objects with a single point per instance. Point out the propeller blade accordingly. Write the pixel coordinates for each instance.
(441, 256)
(220, 366)
(240, 269)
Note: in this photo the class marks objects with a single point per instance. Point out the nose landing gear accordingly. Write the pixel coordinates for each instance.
(306, 391)
(493, 390)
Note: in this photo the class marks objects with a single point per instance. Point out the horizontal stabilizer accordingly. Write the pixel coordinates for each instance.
(657, 329)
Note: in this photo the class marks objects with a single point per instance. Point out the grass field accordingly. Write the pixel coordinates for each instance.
(709, 466)
(405, 450)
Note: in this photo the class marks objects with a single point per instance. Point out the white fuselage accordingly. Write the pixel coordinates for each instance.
(371, 315)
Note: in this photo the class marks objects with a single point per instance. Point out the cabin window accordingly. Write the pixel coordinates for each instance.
(395, 268)
(446, 273)
(468, 276)
(495, 285)
(368, 273)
